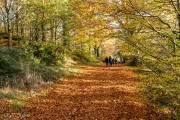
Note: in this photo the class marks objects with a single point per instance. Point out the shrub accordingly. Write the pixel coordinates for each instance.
(131, 60)
(47, 73)
(18, 69)
(16, 105)
(163, 93)
(48, 53)
(11, 60)
(83, 57)
(162, 85)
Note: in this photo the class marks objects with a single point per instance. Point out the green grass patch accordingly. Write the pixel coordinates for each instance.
(16, 105)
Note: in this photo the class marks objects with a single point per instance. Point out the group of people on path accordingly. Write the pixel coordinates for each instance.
(110, 61)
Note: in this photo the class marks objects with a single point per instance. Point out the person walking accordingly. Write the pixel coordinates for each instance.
(107, 61)
(113, 61)
(110, 61)
(116, 62)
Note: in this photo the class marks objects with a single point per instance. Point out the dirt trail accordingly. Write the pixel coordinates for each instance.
(101, 93)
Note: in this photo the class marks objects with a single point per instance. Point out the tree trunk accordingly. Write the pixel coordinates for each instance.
(8, 23)
(36, 32)
(65, 34)
(30, 33)
(178, 18)
(178, 27)
(9, 33)
(43, 32)
(98, 52)
(55, 31)
(22, 30)
(17, 24)
(52, 30)
(5, 26)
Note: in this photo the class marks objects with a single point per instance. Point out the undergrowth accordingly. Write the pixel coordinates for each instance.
(19, 69)
(161, 91)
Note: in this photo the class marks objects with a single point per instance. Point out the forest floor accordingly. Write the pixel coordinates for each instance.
(98, 93)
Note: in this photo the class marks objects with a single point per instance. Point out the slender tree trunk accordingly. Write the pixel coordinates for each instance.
(30, 33)
(43, 32)
(52, 30)
(55, 34)
(22, 30)
(178, 27)
(90, 49)
(17, 24)
(36, 33)
(98, 52)
(65, 34)
(5, 26)
(178, 17)
(9, 33)
(55, 30)
(8, 23)
(13, 29)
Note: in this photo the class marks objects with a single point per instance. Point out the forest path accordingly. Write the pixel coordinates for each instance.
(99, 93)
